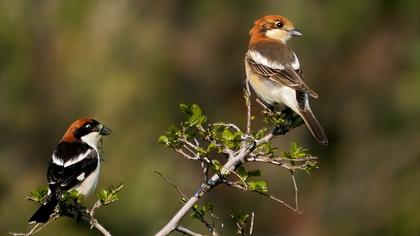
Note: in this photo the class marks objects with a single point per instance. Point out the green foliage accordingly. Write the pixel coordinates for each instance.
(109, 195)
(195, 139)
(216, 135)
(216, 165)
(258, 186)
(194, 119)
(240, 218)
(171, 137)
(39, 194)
(296, 151)
(70, 197)
(245, 175)
(194, 114)
(273, 118)
(260, 133)
(199, 212)
(231, 139)
(266, 149)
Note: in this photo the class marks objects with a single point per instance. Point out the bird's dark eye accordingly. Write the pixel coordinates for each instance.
(279, 24)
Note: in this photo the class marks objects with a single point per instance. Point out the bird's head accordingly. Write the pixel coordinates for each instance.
(86, 130)
(274, 27)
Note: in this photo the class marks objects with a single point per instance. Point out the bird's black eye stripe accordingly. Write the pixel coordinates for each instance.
(279, 24)
(85, 129)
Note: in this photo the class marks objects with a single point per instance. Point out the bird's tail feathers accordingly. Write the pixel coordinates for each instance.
(314, 126)
(42, 215)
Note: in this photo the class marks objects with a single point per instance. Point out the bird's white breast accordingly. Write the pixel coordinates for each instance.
(272, 92)
(89, 184)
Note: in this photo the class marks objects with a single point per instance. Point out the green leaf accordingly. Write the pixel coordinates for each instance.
(240, 217)
(208, 207)
(107, 196)
(231, 139)
(273, 118)
(163, 139)
(211, 146)
(245, 175)
(296, 151)
(260, 133)
(194, 114)
(266, 148)
(216, 165)
(72, 196)
(39, 194)
(258, 186)
(172, 137)
(242, 172)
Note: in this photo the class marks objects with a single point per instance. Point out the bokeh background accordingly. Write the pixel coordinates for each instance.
(130, 63)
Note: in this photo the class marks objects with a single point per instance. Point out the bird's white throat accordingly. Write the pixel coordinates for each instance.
(92, 139)
(278, 34)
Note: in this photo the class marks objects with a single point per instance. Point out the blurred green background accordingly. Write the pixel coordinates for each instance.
(130, 63)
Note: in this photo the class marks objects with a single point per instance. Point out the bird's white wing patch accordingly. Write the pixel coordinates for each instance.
(78, 158)
(295, 64)
(57, 160)
(81, 176)
(260, 59)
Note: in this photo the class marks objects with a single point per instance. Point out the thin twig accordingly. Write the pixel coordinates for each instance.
(35, 229)
(180, 151)
(240, 178)
(296, 190)
(186, 231)
(262, 104)
(172, 184)
(283, 203)
(240, 187)
(248, 106)
(228, 125)
(94, 222)
(251, 227)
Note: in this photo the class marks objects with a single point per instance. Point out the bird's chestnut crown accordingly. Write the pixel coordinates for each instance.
(274, 27)
(83, 127)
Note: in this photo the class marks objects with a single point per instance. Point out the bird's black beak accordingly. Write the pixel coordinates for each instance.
(295, 32)
(105, 131)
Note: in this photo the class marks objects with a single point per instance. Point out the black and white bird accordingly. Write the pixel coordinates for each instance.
(74, 165)
(274, 72)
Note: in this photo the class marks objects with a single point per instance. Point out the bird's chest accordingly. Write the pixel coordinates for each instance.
(269, 91)
(89, 184)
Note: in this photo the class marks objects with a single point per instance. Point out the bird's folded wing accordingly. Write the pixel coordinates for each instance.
(286, 76)
(69, 176)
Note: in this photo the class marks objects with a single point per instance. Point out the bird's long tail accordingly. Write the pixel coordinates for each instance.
(314, 125)
(43, 214)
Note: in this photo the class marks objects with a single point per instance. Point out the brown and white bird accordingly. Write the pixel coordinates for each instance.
(74, 164)
(273, 70)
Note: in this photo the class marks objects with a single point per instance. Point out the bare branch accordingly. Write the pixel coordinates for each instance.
(180, 151)
(296, 190)
(298, 163)
(283, 203)
(238, 154)
(251, 227)
(248, 107)
(228, 125)
(186, 231)
(240, 187)
(35, 229)
(94, 222)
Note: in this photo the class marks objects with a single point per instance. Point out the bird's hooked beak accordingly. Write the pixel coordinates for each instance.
(295, 32)
(104, 130)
